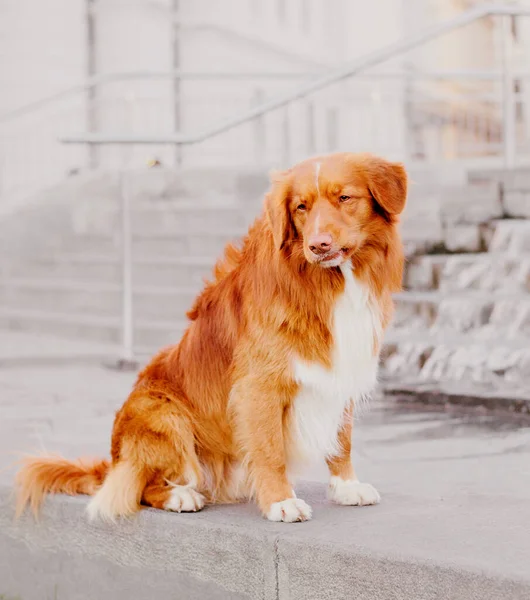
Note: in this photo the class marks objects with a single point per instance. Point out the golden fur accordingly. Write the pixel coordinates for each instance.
(221, 398)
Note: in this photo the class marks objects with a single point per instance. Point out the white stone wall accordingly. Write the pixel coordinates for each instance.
(42, 52)
(42, 49)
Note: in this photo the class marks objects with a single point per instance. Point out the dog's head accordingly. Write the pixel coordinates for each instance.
(332, 206)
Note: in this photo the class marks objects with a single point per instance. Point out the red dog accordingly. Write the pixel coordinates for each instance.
(280, 347)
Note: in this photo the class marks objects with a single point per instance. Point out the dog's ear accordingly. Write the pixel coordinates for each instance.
(277, 208)
(387, 183)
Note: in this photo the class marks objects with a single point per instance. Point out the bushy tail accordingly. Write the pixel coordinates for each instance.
(41, 475)
(121, 493)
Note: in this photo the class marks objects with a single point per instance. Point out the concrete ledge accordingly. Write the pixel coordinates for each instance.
(463, 396)
(406, 548)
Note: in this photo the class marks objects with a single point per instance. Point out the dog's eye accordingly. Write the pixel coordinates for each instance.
(344, 198)
(301, 207)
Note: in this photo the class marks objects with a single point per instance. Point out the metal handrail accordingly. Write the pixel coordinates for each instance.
(116, 77)
(371, 60)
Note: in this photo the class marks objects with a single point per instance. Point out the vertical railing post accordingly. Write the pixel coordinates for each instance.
(311, 128)
(286, 131)
(259, 133)
(177, 83)
(91, 71)
(508, 94)
(409, 130)
(126, 360)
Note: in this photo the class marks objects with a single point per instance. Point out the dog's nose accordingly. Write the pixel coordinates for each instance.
(321, 243)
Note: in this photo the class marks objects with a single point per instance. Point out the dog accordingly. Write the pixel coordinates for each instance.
(281, 347)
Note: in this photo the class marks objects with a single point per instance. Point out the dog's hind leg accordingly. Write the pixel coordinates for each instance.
(178, 474)
(154, 461)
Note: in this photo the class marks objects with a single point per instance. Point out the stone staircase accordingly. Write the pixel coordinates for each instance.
(463, 319)
(463, 322)
(68, 283)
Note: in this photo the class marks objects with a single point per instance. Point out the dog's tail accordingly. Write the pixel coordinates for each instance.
(41, 475)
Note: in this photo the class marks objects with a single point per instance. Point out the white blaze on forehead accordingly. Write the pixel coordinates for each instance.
(317, 223)
(317, 174)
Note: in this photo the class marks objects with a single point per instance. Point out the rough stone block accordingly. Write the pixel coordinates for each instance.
(482, 176)
(517, 203)
(511, 236)
(413, 316)
(470, 204)
(518, 179)
(407, 360)
(462, 315)
(419, 274)
(462, 238)
(487, 273)
(421, 224)
(511, 316)
(459, 364)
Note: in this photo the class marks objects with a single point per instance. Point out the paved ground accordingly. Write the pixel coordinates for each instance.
(453, 521)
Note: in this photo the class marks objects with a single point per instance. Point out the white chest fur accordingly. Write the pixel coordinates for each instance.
(325, 393)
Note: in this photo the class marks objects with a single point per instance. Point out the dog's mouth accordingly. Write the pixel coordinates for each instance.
(333, 258)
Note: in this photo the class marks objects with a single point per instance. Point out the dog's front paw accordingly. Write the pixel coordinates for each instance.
(351, 492)
(289, 511)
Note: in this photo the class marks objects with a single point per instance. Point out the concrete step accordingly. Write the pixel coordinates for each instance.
(449, 217)
(149, 335)
(511, 235)
(434, 544)
(447, 273)
(178, 244)
(156, 270)
(487, 271)
(515, 187)
(437, 354)
(486, 357)
(482, 314)
(161, 219)
(423, 322)
(476, 398)
(98, 298)
(415, 310)
(203, 185)
(147, 185)
(477, 312)
(426, 230)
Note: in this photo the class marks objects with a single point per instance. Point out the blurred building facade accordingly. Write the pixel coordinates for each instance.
(441, 101)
